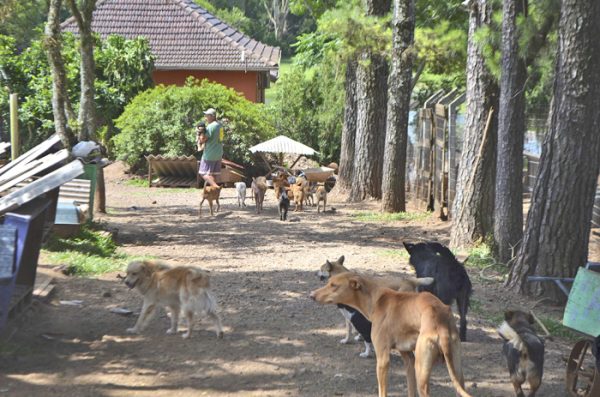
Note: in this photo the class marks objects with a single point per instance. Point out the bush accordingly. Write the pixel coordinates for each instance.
(162, 121)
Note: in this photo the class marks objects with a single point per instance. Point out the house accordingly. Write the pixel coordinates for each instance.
(186, 40)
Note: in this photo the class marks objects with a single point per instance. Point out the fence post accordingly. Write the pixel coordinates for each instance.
(14, 127)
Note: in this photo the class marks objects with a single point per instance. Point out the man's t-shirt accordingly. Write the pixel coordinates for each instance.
(213, 150)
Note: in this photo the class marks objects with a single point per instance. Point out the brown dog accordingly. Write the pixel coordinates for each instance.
(178, 289)
(210, 193)
(404, 321)
(280, 182)
(298, 194)
(259, 188)
(321, 196)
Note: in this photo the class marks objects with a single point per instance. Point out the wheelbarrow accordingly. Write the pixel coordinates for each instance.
(582, 314)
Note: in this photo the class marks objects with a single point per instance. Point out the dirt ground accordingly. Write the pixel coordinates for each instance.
(277, 341)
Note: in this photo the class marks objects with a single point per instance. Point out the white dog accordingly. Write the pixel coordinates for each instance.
(240, 188)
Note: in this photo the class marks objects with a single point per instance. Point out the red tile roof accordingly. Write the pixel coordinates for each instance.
(182, 35)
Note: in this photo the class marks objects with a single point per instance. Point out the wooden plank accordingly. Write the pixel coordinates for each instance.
(43, 164)
(41, 283)
(32, 154)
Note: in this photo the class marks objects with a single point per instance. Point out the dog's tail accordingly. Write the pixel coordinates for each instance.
(452, 356)
(419, 281)
(511, 336)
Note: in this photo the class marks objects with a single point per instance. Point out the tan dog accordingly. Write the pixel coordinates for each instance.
(280, 182)
(403, 321)
(298, 194)
(259, 188)
(210, 193)
(178, 289)
(321, 196)
(409, 284)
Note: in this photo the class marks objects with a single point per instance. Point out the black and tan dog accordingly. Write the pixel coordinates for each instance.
(407, 322)
(523, 350)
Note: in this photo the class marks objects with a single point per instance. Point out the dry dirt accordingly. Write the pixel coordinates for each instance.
(277, 341)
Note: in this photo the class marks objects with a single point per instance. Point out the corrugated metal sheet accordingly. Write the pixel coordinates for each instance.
(283, 144)
(180, 166)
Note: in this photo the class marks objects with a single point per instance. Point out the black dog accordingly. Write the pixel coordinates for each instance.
(451, 279)
(284, 205)
(361, 325)
(523, 350)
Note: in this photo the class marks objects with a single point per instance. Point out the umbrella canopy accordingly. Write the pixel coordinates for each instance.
(283, 144)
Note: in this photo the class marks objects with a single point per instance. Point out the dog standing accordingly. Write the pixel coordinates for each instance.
(240, 190)
(523, 350)
(321, 196)
(210, 193)
(280, 182)
(178, 289)
(259, 188)
(353, 318)
(284, 205)
(451, 279)
(298, 194)
(407, 322)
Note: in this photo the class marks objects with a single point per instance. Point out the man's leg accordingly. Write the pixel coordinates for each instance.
(210, 180)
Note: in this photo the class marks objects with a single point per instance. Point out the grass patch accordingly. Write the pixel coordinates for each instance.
(397, 254)
(138, 182)
(557, 329)
(481, 257)
(91, 252)
(271, 92)
(371, 216)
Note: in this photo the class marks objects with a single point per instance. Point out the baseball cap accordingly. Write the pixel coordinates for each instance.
(211, 111)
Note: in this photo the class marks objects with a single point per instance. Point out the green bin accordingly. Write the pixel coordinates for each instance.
(90, 174)
(583, 307)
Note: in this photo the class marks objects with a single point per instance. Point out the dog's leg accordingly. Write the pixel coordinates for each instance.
(218, 205)
(145, 315)
(425, 356)
(534, 384)
(349, 327)
(517, 386)
(174, 320)
(217, 322)
(382, 354)
(189, 315)
(411, 378)
(368, 350)
(462, 302)
(324, 204)
(200, 210)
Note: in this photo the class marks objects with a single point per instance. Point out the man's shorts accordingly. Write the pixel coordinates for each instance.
(210, 167)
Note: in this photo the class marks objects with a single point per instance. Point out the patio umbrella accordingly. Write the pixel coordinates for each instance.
(283, 145)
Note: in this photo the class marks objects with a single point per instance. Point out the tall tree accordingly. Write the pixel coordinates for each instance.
(278, 11)
(556, 238)
(87, 108)
(60, 101)
(508, 208)
(349, 128)
(400, 88)
(474, 201)
(371, 93)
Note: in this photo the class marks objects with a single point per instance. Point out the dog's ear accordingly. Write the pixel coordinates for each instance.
(355, 283)
(508, 315)
(408, 246)
(328, 265)
(341, 260)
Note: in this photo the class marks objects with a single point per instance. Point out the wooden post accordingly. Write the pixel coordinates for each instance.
(14, 127)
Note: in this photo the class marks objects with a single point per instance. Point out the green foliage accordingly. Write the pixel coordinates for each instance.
(123, 68)
(22, 20)
(138, 182)
(88, 253)
(443, 51)
(401, 254)
(370, 216)
(162, 120)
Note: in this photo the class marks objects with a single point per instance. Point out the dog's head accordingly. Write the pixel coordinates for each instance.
(137, 273)
(518, 317)
(341, 288)
(330, 268)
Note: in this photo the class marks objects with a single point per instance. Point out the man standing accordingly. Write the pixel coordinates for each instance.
(210, 164)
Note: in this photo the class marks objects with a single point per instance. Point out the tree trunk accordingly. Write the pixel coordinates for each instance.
(400, 83)
(556, 237)
(87, 106)
(474, 202)
(52, 43)
(371, 93)
(100, 194)
(349, 129)
(508, 210)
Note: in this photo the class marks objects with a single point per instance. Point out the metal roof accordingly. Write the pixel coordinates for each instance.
(4, 146)
(283, 144)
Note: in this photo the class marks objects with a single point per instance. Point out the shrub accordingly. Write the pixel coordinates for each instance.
(162, 121)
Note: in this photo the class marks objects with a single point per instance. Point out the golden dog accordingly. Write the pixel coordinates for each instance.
(404, 321)
(210, 193)
(178, 289)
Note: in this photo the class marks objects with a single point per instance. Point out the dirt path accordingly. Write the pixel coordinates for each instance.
(277, 341)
